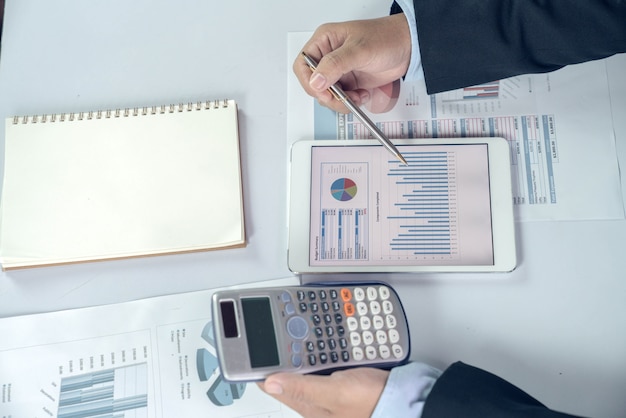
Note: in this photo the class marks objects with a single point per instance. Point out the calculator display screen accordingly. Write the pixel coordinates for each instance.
(262, 347)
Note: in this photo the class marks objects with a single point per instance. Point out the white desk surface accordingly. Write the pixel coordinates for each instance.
(556, 326)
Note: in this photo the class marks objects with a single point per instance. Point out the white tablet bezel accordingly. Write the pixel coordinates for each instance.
(503, 225)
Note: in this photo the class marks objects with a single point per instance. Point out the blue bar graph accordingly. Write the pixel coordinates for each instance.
(425, 212)
(111, 393)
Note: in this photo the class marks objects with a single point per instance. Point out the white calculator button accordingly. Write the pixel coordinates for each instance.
(381, 337)
(394, 336)
(384, 293)
(357, 353)
(352, 323)
(384, 351)
(397, 351)
(378, 322)
(387, 307)
(375, 307)
(391, 321)
(355, 338)
(366, 323)
(361, 308)
(370, 352)
(359, 294)
(368, 338)
(372, 294)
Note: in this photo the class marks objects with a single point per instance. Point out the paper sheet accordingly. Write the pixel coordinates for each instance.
(558, 125)
(148, 358)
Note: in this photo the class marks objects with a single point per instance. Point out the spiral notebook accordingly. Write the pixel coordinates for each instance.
(121, 183)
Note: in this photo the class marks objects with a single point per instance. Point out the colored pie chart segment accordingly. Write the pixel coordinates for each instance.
(343, 189)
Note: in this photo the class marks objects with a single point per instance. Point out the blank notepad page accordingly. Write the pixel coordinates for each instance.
(124, 183)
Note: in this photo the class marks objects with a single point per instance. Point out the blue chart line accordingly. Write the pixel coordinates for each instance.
(426, 209)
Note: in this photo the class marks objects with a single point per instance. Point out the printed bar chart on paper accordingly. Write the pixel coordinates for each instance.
(120, 392)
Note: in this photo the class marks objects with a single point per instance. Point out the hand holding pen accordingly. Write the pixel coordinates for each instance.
(359, 55)
(340, 95)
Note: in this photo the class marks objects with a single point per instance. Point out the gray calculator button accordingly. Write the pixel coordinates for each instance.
(332, 344)
(297, 327)
(285, 297)
(330, 331)
(290, 309)
(296, 360)
(296, 347)
(343, 343)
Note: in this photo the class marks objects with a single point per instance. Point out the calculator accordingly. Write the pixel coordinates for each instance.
(313, 328)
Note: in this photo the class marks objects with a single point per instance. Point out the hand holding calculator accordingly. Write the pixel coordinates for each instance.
(308, 329)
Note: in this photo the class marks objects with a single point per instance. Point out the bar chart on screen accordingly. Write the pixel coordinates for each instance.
(422, 221)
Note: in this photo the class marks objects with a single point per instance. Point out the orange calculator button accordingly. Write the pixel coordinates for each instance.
(348, 308)
(346, 295)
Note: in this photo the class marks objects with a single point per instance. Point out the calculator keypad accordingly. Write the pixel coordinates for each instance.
(343, 324)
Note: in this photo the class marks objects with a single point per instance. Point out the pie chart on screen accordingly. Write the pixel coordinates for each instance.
(343, 189)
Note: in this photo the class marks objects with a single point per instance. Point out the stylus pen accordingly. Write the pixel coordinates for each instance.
(356, 111)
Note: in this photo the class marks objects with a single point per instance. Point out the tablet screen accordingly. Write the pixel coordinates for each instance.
(367, 208)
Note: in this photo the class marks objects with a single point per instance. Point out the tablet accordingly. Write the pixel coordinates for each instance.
(355, 208)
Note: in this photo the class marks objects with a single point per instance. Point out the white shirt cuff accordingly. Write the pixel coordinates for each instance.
(415, 70)
(406, 391)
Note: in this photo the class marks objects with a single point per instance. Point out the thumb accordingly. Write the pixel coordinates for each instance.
(333, 66)
(306, 394)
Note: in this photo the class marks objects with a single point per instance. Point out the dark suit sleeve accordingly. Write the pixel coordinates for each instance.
(466, 391)
(468, 42)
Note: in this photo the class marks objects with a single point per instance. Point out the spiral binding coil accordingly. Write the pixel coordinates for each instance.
(117, 113)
